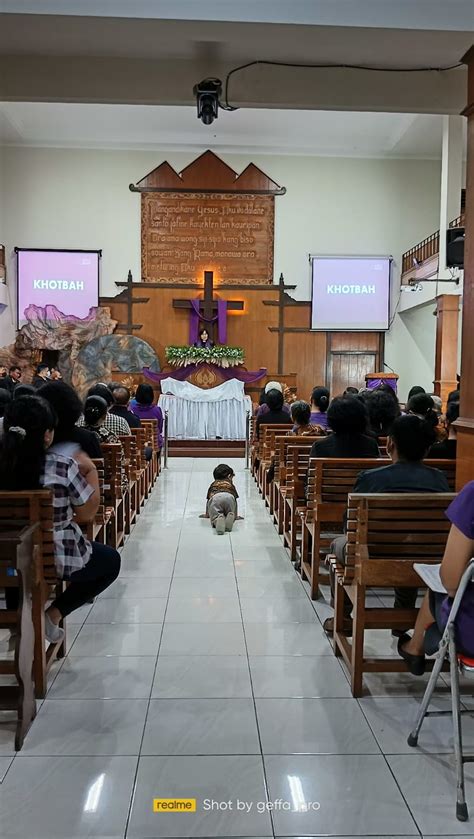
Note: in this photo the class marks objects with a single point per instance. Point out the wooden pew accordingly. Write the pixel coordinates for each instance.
(96, 530)
(140, 435)
(297, 460)
(283, 483)
(330, 480)
(266, 449)
(18, 551)
(387, 533)
(151, 426)
(114, 494)
(31, 508)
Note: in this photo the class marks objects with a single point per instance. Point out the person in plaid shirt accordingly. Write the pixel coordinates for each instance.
(113, 423)
(26, 463)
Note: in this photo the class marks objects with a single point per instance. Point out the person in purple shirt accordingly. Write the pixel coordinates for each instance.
(142, 406)
(319, 407)
(434, 610)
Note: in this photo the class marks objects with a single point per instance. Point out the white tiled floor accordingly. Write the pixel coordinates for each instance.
(204, 672)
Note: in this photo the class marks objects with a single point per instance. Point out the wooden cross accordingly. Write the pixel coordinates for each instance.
(130, 327)
(283, 301)
(208, 305)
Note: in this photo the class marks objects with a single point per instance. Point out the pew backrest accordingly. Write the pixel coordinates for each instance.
(390, 530)
(31, 507)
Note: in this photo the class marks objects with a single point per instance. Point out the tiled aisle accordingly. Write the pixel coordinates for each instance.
(204, 672)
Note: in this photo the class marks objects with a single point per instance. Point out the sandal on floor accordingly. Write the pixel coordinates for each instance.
(328, 626)
(415, 663)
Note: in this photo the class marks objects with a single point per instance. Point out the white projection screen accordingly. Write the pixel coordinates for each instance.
(350, 293)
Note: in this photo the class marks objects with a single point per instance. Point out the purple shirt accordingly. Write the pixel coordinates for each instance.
(319, 418)
(461, 513)
(146, 412)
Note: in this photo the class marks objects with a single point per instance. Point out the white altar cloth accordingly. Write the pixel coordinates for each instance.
(198, 414)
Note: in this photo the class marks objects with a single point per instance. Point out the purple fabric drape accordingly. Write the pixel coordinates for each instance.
(182, 373)
(195, 316)
(372, 384)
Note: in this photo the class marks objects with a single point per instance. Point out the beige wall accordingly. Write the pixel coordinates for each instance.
(80, 198)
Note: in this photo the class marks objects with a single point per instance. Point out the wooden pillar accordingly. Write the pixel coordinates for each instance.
(465, 424)
(446, 354)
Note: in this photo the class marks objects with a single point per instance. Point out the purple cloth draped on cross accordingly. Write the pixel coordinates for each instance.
(196, 316)
(182, 373)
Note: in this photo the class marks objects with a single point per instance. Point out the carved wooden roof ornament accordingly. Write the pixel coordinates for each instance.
(208, 173)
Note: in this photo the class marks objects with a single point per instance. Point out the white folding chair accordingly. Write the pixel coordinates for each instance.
(459, 663)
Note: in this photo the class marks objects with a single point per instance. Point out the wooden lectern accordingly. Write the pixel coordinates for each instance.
(374, 380)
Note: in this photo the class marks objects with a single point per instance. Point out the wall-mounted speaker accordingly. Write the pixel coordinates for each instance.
(455, 247)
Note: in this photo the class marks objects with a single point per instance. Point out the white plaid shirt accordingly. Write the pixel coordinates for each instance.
(117, 425)
(71, 549)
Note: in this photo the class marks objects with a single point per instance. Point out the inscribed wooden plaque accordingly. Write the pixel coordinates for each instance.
(184, 234)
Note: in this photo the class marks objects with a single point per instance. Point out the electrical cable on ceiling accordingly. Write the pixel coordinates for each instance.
(301, 65)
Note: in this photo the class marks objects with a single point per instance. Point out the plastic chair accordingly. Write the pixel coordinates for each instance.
(463, 664)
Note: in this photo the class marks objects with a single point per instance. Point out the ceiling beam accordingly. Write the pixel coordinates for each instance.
(33, 78)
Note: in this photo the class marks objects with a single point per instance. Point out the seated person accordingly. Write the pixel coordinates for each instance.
(351, 391)
(319, 406)
(275, 413)
(26, 463)
(95, 416)
(41, 376)
(383, 409)
(434, 611)
(447, 448)
(116, 425)
(348, 419)
(409, 441)
(263, 407)
(414, 391)
(204, 340)
(301, 415)
(68, 437)
(144, 408)
(120, 407)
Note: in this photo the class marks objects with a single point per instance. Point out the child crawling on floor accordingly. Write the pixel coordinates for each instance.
(221, 500)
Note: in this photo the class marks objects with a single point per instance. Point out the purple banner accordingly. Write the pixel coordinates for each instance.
(373, 384)
(196, 316)
(182, 373)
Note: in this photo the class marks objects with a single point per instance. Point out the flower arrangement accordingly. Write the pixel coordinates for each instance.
(222, 356)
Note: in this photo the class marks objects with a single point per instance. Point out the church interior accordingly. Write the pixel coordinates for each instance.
(236, 419)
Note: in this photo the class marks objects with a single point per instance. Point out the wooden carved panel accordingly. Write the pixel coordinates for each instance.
(184, 234)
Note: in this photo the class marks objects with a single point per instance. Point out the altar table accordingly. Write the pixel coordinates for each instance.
(195, 413)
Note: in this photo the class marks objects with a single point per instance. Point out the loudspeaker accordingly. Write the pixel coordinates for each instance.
(455, 247)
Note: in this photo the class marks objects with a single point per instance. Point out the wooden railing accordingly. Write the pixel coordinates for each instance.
(426, 249)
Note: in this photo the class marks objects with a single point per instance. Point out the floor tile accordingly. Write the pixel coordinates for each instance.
(145, 587)
(201, 726)
(392, 719)
(117, 639)
(204, 567)
(428, 783)
(71, 797)
(273, 587)
(277, 610)
(202, 639)
(314, 726)
(106, 677)
(5, 763)
(267, 568)
(203, 609)
(293, 676)
(78, 617)
(201, 676)
(128, 610)
(308, 780)
(287, 639)
(139, 569)
(207, 586)
(86, 727)
(218, 778)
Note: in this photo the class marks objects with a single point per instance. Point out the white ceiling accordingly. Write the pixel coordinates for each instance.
(269, 131)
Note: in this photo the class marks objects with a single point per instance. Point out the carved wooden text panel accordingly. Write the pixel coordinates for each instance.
(184, 234)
